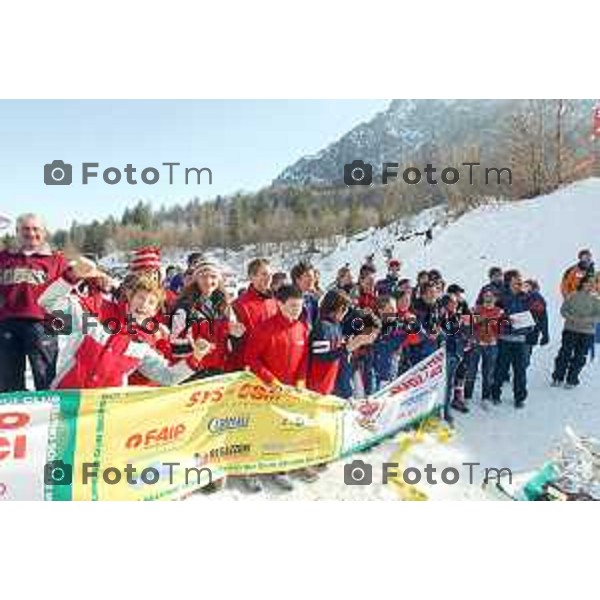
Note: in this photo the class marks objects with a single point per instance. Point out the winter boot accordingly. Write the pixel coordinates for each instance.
(459, 403)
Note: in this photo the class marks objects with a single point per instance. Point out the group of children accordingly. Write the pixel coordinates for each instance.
(414, 321)
(350, 340)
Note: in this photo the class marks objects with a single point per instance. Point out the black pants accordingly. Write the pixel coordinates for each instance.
(511, 354)
(20, 339)
(571, 356)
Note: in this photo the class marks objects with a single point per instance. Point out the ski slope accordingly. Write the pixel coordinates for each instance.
(540, 237)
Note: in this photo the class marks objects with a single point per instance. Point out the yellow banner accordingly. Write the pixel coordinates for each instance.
(163, 443)
(231, 424)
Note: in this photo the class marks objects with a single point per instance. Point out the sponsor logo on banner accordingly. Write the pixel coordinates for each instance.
(415, 394)
(222, 424)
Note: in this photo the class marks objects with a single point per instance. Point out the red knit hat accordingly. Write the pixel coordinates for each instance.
(145, 259)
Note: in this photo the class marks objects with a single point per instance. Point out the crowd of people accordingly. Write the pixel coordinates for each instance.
(80, 328)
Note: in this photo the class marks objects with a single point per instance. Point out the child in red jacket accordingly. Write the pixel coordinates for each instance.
(487, 317)
(277, 352)
(98, 354)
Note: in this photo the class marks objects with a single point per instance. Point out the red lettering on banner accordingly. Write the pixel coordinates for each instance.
(14, 420)
(154, 437)
(204, 396)
(256, 391)
(15, 448)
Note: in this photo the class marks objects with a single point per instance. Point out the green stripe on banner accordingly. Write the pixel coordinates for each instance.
(61, 437)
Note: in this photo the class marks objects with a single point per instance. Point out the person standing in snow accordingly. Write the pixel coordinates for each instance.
(581, 311)
(330, 350)
(345, 282)
(366, 292)
(428, 236)
(277, 353)
(453, 310)
(422, 279)
(387, 347)
(389, 285)
(572, 276)
(539, 335)
(202, 312)
(303, 277)
(279, 278)
(486, 320)
(512, 346)
(25, 273)
(257, 303)
(426, 309)
(495, 284)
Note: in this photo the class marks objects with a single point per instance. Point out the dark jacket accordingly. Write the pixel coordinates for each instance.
(513, 304)
(327, 351)
(539, 312)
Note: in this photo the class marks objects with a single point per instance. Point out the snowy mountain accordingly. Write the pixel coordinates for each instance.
(410, 128)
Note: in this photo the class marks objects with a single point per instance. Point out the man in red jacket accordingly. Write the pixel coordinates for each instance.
(25, 273)
(256, 304)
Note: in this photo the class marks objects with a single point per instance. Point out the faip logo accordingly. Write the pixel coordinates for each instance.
(59, 172)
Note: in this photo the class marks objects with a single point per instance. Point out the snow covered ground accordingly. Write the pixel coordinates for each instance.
(540, 237)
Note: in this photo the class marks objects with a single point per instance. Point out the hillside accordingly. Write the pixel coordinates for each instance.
(540, 237)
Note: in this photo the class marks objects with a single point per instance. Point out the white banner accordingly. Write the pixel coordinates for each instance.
(416, 393)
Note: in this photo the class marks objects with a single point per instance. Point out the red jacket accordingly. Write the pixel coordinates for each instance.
(23, 278)
(406, 318)
(251, 309)
(367, 300)
(278, 349)
(216, 332)
(94, 357)
(202, 320)
(161, 343)
(486, 321)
